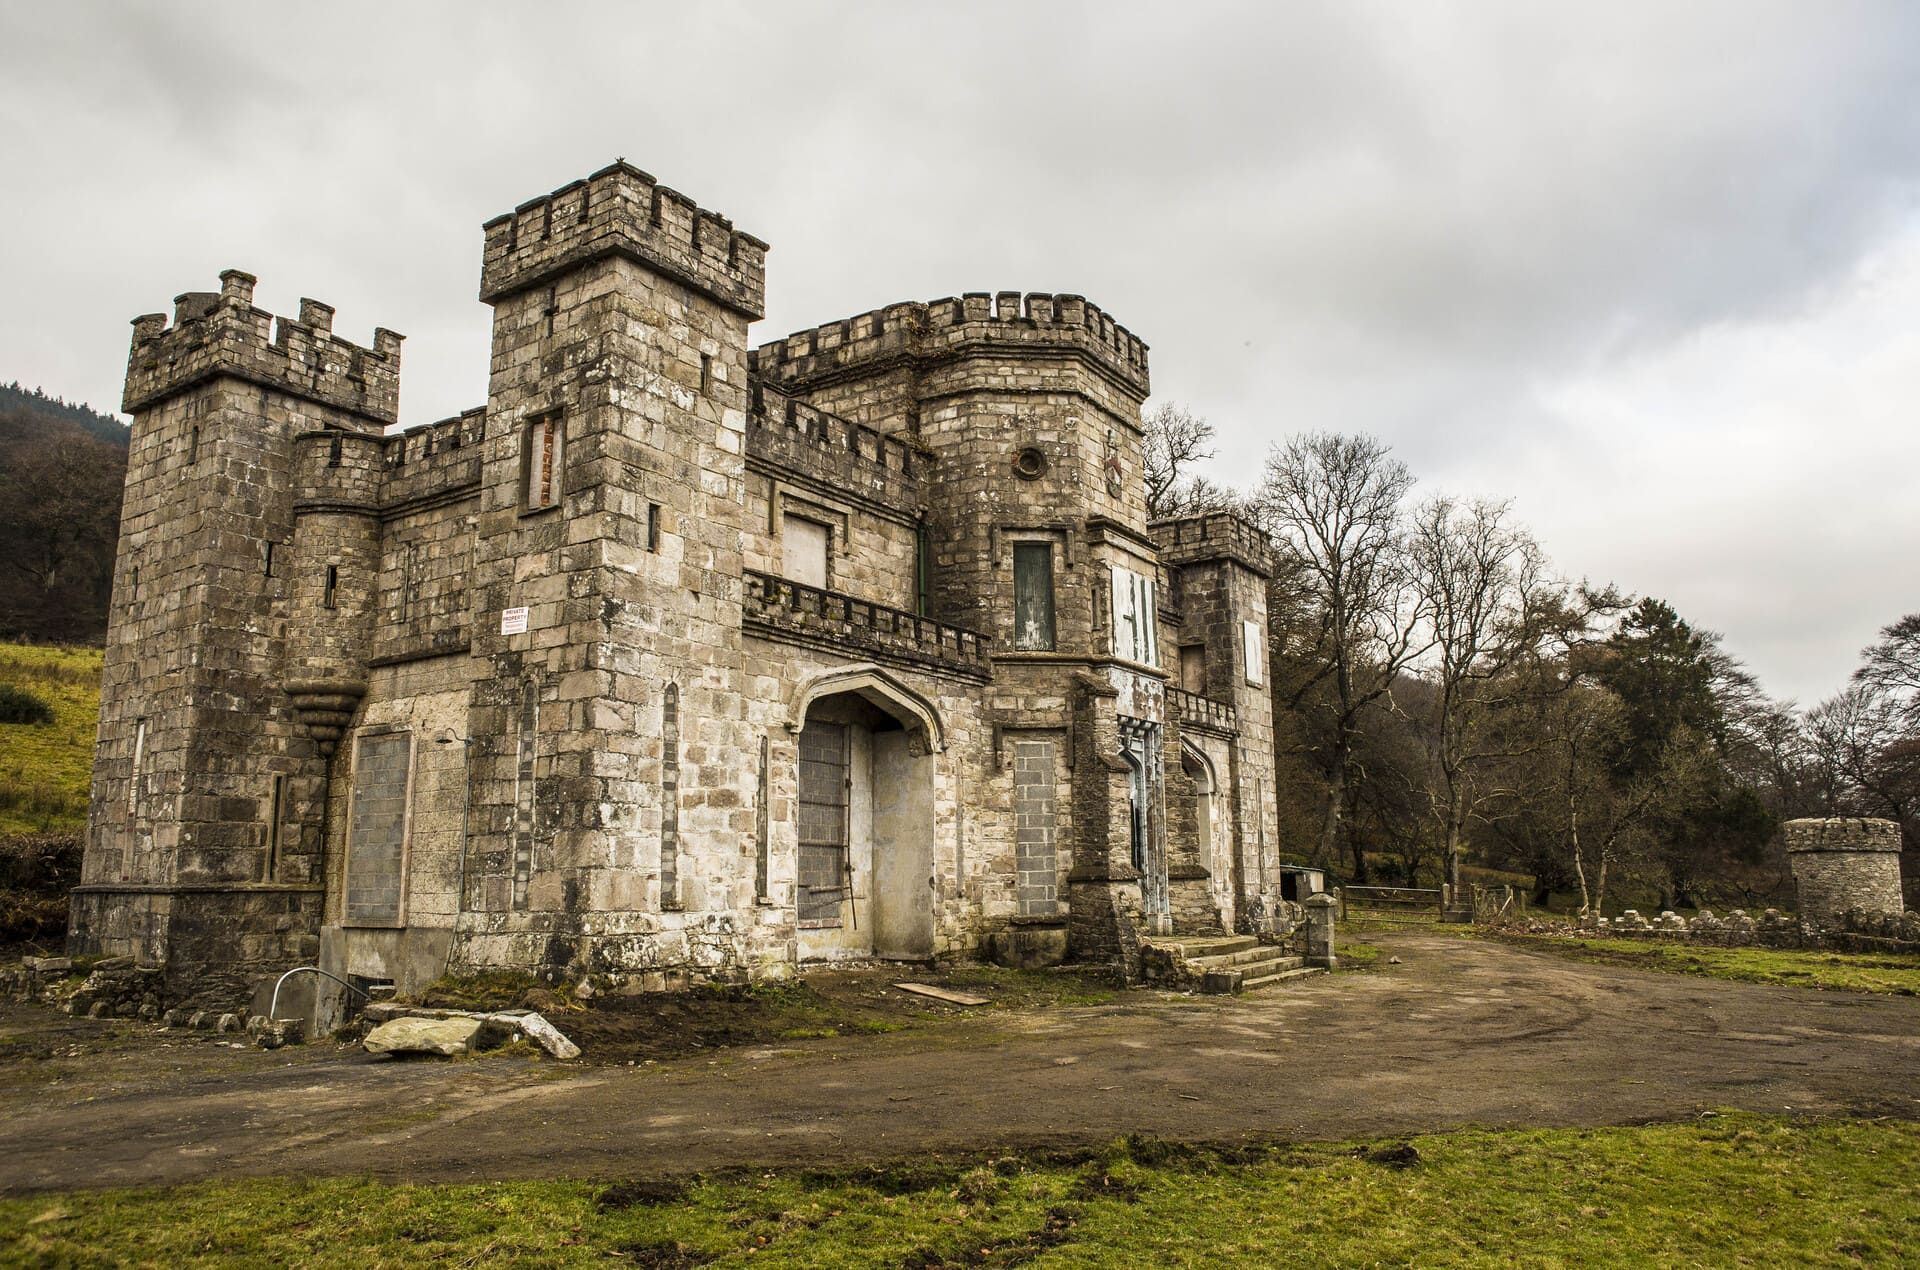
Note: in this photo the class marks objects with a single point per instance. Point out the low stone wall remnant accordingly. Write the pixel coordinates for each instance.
(1848, 932)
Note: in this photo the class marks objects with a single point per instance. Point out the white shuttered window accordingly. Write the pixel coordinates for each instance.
(1134, 617)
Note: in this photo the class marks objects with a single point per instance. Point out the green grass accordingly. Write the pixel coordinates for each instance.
(45, 769)
(1732, 1190)
(1354, 954)
(1852, 972)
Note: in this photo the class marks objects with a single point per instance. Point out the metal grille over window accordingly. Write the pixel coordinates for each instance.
(1033, 596)
(377, 832)
(823, 865)
(545, 441)
(1134, 617)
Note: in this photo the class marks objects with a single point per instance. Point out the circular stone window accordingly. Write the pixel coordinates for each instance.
(1030, 464)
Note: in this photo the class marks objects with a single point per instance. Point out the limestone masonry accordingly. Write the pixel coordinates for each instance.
(677, 659)
(1845, 865)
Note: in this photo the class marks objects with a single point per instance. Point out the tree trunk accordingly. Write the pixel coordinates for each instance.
(1326, 851)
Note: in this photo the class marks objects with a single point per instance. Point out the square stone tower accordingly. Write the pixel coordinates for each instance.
(204, 841)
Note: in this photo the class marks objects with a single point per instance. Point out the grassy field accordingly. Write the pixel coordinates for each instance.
(1853, 972)
(45, 768)
(1727, 1190)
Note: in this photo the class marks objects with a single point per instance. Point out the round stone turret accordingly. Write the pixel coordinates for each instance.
(1845, 864)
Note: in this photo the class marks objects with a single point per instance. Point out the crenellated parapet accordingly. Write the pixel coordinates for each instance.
(433, 463)
(793, 437)
(221, 334)
(621, 211)
(1215, 536)
(1008, 323)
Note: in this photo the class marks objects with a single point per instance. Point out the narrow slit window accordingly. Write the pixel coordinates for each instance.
(922, 570)
(333, 452)
(330, 595)
(1033, 596)
(193, 444)
(269, 559)
(276, 802)
(653, 526)
(706, 371)
(136, 772)
(545, 441)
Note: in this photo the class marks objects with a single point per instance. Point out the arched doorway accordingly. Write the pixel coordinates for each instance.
(1140, 748)
(1213, 834)
(864, 873)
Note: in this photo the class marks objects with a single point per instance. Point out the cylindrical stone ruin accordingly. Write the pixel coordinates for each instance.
(1845, 864)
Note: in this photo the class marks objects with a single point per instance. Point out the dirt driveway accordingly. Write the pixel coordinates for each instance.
(1463, 1032)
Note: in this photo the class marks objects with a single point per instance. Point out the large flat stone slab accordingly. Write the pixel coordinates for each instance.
(447, 1038)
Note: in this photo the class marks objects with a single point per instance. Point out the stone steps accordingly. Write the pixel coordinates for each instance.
(1232, 963)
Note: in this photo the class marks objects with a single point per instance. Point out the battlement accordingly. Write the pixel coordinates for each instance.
(221, 333)
(433, 462)
(1214, 536)
(621, 211)
(1009, 323)
(842, 455)
(463, 430)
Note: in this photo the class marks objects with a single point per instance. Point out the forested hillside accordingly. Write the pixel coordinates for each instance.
(62, 465)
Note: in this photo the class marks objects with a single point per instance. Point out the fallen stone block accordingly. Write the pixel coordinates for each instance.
(447, 1038)
(271, 1034)
(547, 1036)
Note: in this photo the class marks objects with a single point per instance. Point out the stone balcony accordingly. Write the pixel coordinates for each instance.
(779, 608)
(1191, 709)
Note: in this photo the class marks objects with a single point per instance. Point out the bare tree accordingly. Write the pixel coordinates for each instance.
(1891, 667)
(1175, 440)
(1495, 621)
(1333, 504)
(1869, 758)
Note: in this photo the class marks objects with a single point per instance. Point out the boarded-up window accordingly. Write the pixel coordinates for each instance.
(1193, 667)
(377, 829)
(1253, 652)
(1033, 596)
(803, 550)
(1034, 788)
(824, 772)
(542, 462)
(1134, 617)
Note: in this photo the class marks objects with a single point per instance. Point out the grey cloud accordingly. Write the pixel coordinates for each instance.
(1408, 219)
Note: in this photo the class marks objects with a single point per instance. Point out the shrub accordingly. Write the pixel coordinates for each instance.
(17, 705)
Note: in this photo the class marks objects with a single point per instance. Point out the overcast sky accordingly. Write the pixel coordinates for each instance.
(1650, 270)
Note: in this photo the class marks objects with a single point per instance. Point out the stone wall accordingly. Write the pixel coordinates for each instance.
(1869, 933)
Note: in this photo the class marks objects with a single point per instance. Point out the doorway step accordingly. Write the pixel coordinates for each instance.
(1221, 963)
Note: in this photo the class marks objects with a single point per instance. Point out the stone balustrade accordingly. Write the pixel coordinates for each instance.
(780, 608)
(1194, 710)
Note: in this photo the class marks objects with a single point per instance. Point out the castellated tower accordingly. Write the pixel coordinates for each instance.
(611, 803)
(204, 847)
(1029, 408)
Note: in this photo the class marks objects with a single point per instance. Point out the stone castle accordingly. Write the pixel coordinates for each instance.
(676, 660)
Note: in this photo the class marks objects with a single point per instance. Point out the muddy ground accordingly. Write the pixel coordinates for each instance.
(1463, 1032)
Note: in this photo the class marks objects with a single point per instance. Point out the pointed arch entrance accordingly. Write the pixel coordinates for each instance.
(864, 875)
